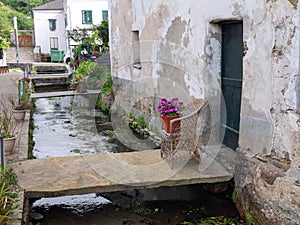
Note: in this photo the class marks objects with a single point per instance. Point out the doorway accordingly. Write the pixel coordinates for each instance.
(231, 79)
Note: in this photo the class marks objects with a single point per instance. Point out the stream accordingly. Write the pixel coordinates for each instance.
(64, 130)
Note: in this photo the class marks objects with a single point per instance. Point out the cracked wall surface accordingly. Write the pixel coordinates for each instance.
(180, 54)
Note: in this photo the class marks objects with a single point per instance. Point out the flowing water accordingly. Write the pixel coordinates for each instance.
(61, 129)
(64, 130)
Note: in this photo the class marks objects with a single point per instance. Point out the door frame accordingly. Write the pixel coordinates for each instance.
(226, 131)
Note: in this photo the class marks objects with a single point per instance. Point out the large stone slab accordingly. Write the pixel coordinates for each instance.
(111, 172)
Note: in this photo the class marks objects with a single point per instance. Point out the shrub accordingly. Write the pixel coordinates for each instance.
(105, 82)
(89, 71)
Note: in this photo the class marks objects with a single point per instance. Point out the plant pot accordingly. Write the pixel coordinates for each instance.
(19, 114)
(166, 122)
(9, 144)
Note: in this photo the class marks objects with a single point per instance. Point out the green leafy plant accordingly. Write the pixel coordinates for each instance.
(138, 125)
(234, 196)
(8, 176)
(105, 81)
(94, 39)
(249, 219)
(8, 193)
(146, 211)
(103, 32)
(24, 102)
(6, 16)
(31, 142)
(190, 211)
(87, 71)
(4, 44)
(141, 122)
(221, 220)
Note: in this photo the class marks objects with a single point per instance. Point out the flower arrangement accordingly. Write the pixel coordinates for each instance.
(170, 108)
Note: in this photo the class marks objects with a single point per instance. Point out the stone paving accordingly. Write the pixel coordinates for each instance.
(7, 88)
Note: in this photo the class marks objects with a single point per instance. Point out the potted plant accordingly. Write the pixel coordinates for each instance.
(170, 110)
(20, 108)
(19, 111)
(7, 129)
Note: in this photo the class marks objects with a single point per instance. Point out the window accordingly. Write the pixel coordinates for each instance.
(52, 24)
(136, 49)
(66, 20)
(53, 43)
(87, 17)
(104, 14)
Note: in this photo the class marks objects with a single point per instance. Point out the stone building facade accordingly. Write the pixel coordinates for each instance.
(167, 48)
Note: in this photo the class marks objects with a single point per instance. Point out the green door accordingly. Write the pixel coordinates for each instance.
(231, 78)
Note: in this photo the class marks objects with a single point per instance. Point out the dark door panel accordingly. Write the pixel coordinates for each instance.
(231, 74)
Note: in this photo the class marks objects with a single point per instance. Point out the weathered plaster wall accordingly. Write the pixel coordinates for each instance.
(180, 51)
(270, 128)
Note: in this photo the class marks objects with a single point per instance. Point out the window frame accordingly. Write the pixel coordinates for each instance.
(54, 43)
(104, 14)
(52, 24)
(87, 16)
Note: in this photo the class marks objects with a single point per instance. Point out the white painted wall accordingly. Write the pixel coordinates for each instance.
(74, 12)
(181, 42)
(3, 61)
(43, 33)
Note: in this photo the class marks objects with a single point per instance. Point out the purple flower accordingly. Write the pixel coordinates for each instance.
(163, 101)
(170, 108)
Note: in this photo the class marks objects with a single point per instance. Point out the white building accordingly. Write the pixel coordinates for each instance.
(243, 53)
(54, 19)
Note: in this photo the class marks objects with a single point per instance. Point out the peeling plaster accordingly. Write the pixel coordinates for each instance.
(195, 56)
(180, 44)
(175, 31)
(294, 3)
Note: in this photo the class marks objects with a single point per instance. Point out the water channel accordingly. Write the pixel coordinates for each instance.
(64, 130)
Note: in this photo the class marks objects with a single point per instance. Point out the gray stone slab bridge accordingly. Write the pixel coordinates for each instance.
(100, 173)
(63, 93)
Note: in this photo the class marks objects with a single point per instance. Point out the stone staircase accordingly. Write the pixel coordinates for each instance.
(26, 55)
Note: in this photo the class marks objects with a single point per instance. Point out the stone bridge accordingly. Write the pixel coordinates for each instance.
(100, 173)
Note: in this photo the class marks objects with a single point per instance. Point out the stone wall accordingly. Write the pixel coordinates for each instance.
(267, 173)
(173, 49)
